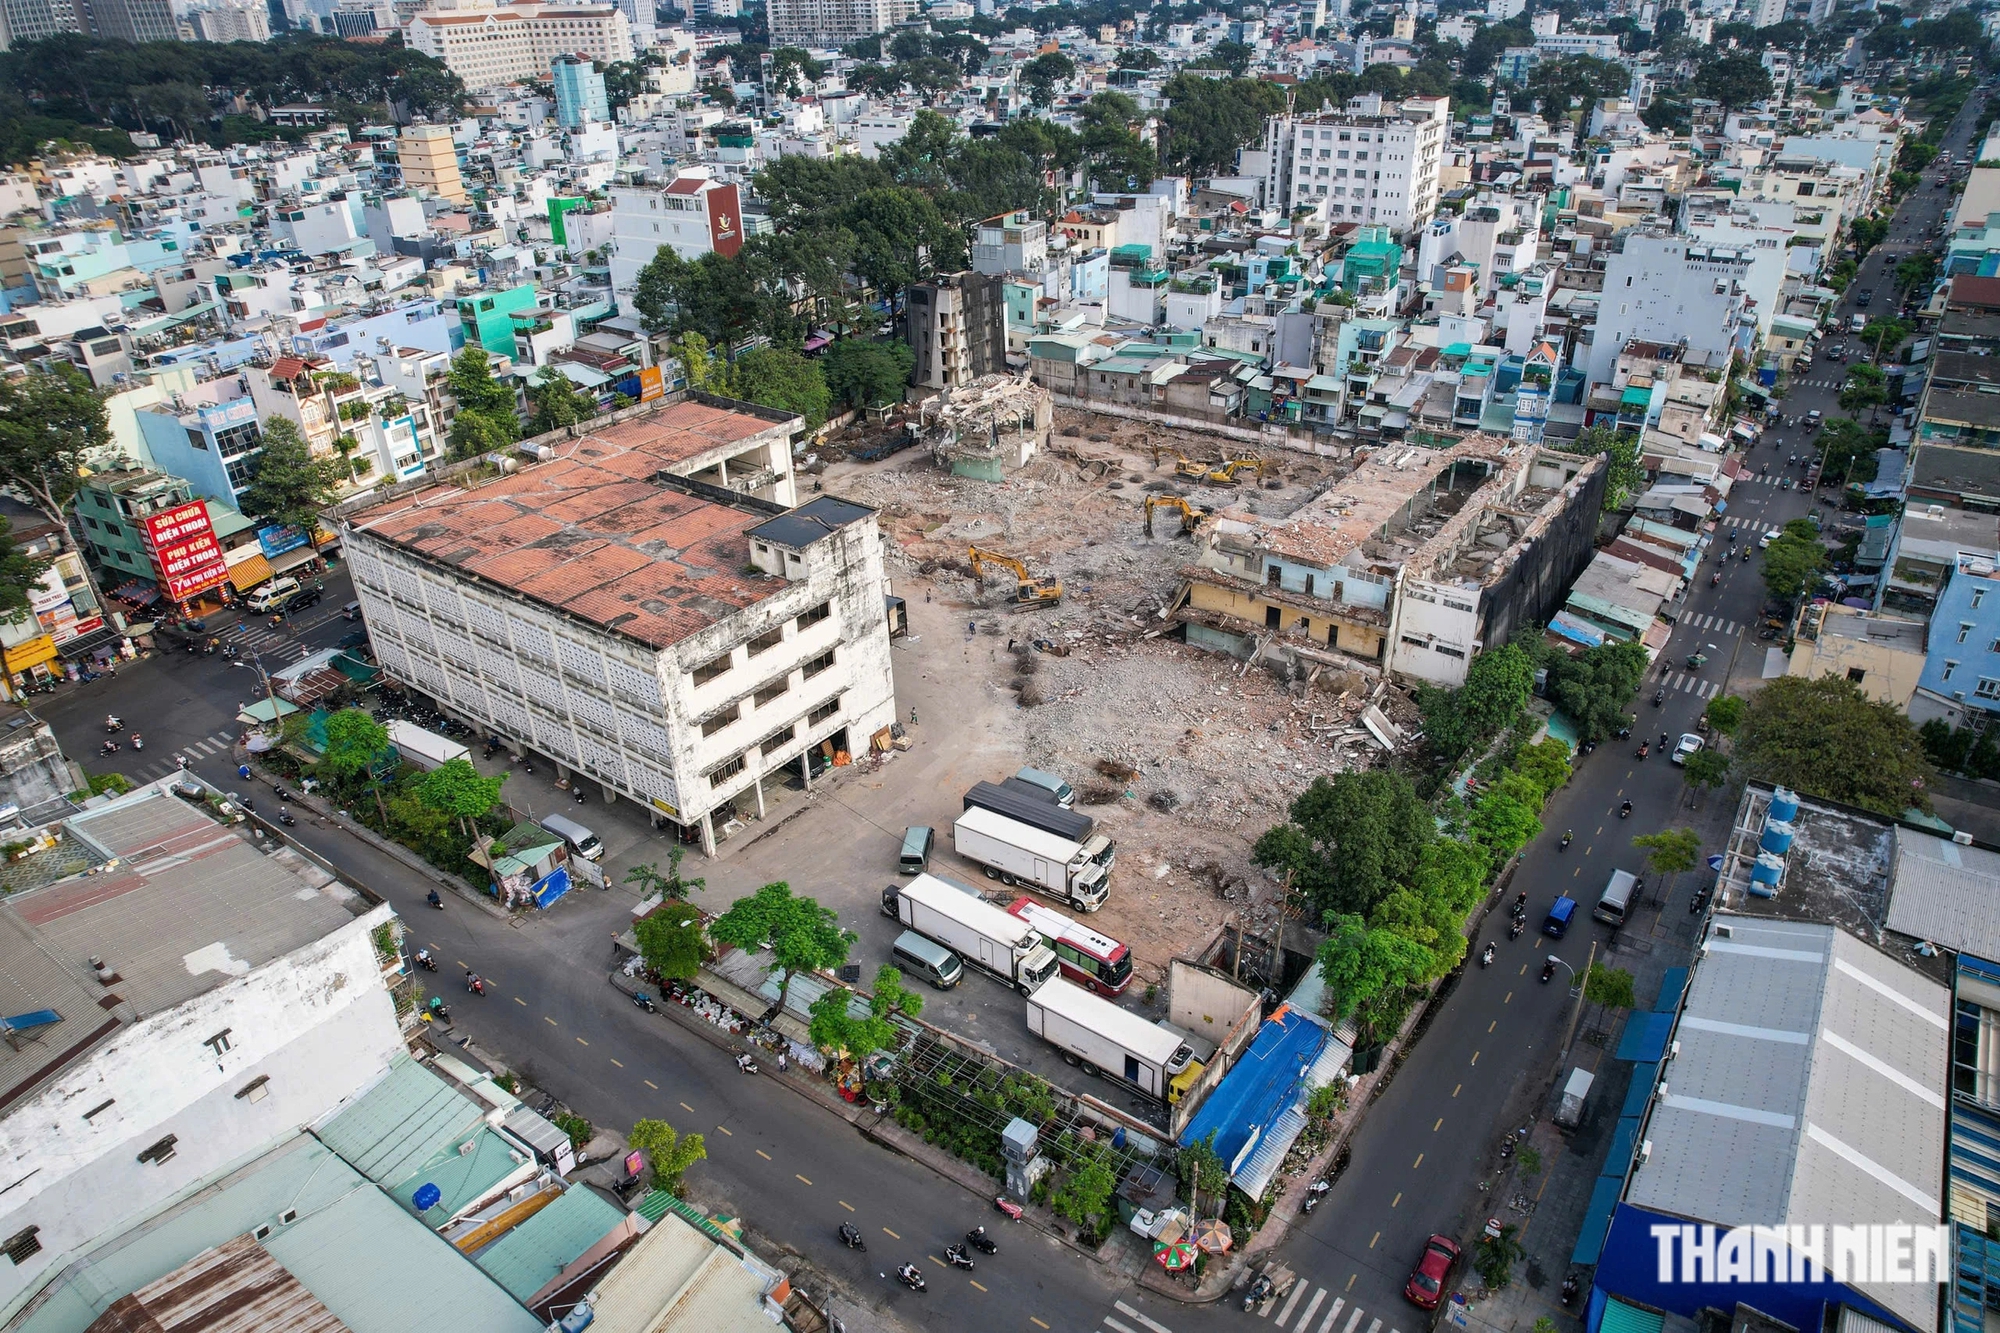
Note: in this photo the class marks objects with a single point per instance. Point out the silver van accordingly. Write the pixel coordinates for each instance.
(915, 858)
(582, 842)
(927, 959)
(1616, 899)
(1059, 791)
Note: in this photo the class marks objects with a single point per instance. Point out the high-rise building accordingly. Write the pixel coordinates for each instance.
(824, 24)
(1375, 161)
(487, 47)
(957, 325)
(693, 216)
(229, 21)
(132, 20)
(580, 95)
(430, 161)
(32, 20)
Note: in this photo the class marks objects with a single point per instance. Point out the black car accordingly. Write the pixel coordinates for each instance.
(353, 639)
(300, 600)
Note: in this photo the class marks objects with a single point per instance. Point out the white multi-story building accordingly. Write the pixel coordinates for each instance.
(231, 22)
(1662, 287)
(488, 46)
(826, 24)
(693, 216)
(1373, 162)
(676, 646)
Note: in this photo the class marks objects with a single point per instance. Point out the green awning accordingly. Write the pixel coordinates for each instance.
(1622, 1318)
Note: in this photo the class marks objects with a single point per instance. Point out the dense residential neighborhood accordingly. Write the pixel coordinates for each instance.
(1330, 663)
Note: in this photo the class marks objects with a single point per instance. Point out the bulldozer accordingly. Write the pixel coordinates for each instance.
(1191, 518)
(1029, 591)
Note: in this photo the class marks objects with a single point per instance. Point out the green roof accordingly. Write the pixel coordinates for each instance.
(402, 1123)
(1622, 1318)
(529, 1256)
(462, 1178)
(1635, 396)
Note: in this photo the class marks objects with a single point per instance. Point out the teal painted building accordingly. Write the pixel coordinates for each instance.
(489, 317)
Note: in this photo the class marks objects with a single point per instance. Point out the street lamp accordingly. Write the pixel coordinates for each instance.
(270, 692)
(1576, 982)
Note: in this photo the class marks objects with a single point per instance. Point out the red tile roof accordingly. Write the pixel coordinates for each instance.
(689, 185)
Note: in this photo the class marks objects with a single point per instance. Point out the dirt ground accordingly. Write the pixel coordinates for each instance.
(1180, 754)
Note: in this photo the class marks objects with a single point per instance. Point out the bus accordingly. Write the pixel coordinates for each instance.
(1097, 962)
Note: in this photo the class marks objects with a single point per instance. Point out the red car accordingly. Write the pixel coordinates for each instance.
(1426, 1285)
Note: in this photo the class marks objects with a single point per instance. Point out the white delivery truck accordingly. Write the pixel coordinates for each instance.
(1107, 1040)
(976, 930)
(425, 749)
(1014, 853)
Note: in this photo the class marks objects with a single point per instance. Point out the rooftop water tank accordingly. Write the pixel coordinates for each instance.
(1784, 805)
(1777, 839)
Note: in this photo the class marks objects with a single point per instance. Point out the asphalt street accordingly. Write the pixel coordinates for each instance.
(795, 1173)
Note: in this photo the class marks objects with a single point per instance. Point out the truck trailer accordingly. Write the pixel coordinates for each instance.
(1034, 807)
(1016, 853)
(974, 929)
(1104, 1039)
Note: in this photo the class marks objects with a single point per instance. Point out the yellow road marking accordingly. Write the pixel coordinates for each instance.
(1351, 1281)
(1454, 1091)
(975, 1284)
(893, 1236)
(1523, 972)
(1510, 994)
(1398, 1199)
(581, 1042)
(724, 1129)
(550, 1021)
(687, 1108)
(1494, 1024)
(1438, 1126)
(766, 1156)
(649, 1083)
(1475, 1057)
(1419, 1162)
(618, 1062)
(845, 1204)
(1036, 1322)
(801, 1179)
(1371, 1244)
(518, 1000)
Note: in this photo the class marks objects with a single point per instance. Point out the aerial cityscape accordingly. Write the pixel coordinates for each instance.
(1074, 666)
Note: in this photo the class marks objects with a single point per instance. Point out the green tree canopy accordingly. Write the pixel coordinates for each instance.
(671, 886)
(1725, 713)
(1208, 119)
(1866, 387)
(1609, 987)
(1594, 687)
(1360, 963)
(781, 378)
(555, 402)
(356, 743)
(1793, 560)
(457, 789)
(1041, 75)
(803, 935)
(867, 374)
(1733, 80)
(289, 486)
(52, 424)
(1497, 686)
(1825, 738)
(19, 571)
(1620, 450)
(486, 419)
(669, 1152)
(1351, 839)
(673, 941)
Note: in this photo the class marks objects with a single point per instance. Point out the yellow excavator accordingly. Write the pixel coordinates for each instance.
(1029, 591)
(1191, 517)
(1223, 473)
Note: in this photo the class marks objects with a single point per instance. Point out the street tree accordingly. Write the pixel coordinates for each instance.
(290, 487)
(1826, 738)
(457, 789)
(1084, 1197)
(1793, 560)
(867, 374)
(357, 744)
(901, 237)
(1848, 450)
(52, 425)
(835, 1027)
(1503, 819)
(1725, 713)
(1203, 1172)
(1916, 272)
(1609, 987)
(672, 941)
(1360, 964)
(1866, 389)
(668, 1151)
(1350, 840)
(671, 886)
(555, 402)
(698, 364)
(1705, 770)
(1594, 687)
(802, 934)
(1497, 687)
(486, 419)
(20, 572)
(1495, 1256)
(781, 378)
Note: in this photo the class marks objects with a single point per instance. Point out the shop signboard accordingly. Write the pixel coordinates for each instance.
(280, 538)
(186, 555)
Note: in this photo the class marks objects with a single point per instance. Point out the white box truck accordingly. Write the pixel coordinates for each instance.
(1107, 1040)
(425, 749)
(1014, 853)
(977, 931)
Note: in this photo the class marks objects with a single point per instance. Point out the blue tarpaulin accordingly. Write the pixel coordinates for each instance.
(1624, 1141)
(1641, 1090)
(1672, 982)
(1597, 1220)
(1262, 1085)
(1645, 1038)
(554, 886)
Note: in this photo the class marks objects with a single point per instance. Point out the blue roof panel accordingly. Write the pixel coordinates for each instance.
(1645, 1038)
(1262, 1085)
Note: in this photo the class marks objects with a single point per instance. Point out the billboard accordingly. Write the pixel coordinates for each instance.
(170, 527)
(186, 555)
(651, 385)
(280, 538)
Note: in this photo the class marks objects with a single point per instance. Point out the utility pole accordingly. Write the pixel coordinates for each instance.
(1577, 1011)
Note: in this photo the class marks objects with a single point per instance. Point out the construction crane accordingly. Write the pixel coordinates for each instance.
(1029, 591)
(1190, 516)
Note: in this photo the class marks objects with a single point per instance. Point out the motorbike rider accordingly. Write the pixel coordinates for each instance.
(424, 958)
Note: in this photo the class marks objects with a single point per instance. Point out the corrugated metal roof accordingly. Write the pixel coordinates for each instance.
(1622, 1318)
(235, 1286)
(526, 1258)
(636, 1295)
(405, 1120)
(1945, 893)
(1810, 1082)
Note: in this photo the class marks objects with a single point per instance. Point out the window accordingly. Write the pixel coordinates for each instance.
(1964, 628)
(1949, 667)
(778, 737)
(813, 615)
(766, 641)
(22, 1245)
(256, 1090)
(724, 771)
(819, 664)
(1988, 688)
(708, 671)
(219, 1042)
(1855, 674)
(775, 691)
(159, 1152)
(1978, 596)
(826, 712)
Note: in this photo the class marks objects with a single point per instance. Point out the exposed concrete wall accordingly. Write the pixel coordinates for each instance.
(317, 1026)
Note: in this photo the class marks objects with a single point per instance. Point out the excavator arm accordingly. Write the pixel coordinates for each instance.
(1029, 591)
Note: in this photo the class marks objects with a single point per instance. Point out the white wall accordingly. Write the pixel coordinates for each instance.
(1445, 616)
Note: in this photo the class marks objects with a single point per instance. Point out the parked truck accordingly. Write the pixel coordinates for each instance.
(1030, 805)
(1017, 853)
(977, 931)
(1104, 1039)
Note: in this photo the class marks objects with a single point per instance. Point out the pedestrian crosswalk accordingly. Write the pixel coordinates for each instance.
(1713, 624)
(1681, 682)
(1740, 521)
(261, 639)
(1307, 1309)
(220, 746)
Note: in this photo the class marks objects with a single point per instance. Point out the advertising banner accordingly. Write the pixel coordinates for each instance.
(280, 538)
(170, 527)
(651, 385)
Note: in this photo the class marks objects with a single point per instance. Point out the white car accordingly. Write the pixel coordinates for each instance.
(1768, 538)
(1690, 743)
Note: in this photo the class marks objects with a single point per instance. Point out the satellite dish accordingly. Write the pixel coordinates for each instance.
(426, 1197)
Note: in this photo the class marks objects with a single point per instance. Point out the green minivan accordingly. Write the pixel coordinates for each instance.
(915, 857)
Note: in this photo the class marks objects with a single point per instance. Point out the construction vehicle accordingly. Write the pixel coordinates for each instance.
(1190, 516)
(1028, 590)
(1222, 473)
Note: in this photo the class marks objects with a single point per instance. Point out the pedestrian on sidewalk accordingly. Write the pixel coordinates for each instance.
(913, 715)
(784, 1062)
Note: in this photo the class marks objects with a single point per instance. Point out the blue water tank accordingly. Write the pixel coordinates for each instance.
(1777, 838)
(1784, 806)
(1768, 870)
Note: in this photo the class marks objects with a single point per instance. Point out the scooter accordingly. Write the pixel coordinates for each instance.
(1715, 578)
(1516, 926)
(747, 1063)
(1659, 696)
(910, 1276)
(1260, 1287)
(1569, 1289)
(1625, 810)
(1645, 748)
(979, 1240)
(850, 1236)
(285, 818)
(1567, 838)
(645, 1001)
(475, 983)
(1312, 1202)
(433, 899)
(1486, 956)
(438, 1009)
(113, 722)
(1548, 969)
(425, 961)
(579, 795)
(957, 1257)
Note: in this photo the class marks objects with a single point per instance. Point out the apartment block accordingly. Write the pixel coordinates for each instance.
(957, 325)
(1374, 161)
(581, 98)
(489, 46)
(828, 24)
(430, 162)
(693, 215)
(1662, 287)
(637, 611)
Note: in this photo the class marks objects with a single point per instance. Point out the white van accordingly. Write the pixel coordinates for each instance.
(580, 840)
(1616, 899)
(268, 596)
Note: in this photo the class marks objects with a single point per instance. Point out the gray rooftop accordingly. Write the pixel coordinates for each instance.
(1969, 406)
(819, 517)
(1808, 1084)
(1959, 471)
(1945, 893)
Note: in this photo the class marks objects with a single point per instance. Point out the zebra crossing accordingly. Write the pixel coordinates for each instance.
(1713, 624)
(219, 745)
(1337, 1317)
(264, 641)
(1680, 682)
